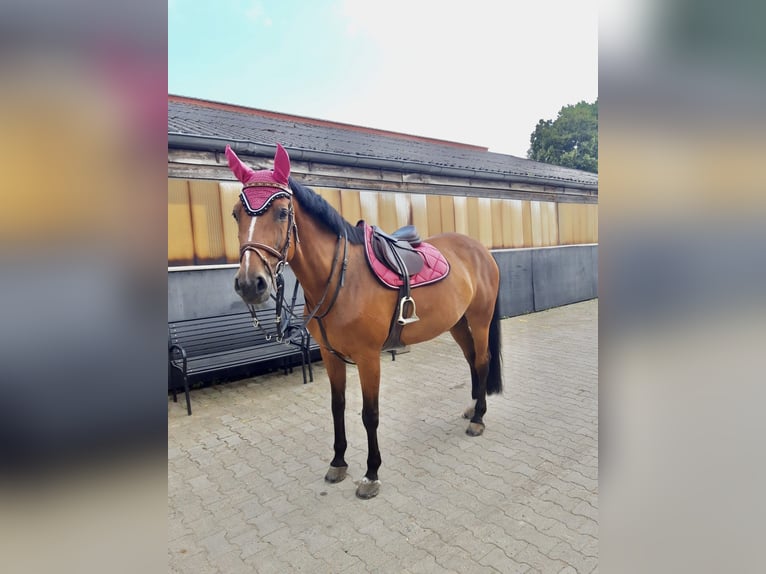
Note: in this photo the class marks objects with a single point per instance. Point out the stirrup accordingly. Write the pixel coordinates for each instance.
(402, 320)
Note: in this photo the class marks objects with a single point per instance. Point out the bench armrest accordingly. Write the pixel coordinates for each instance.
(172, 348)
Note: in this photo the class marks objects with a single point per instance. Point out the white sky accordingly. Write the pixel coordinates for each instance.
(481, 72)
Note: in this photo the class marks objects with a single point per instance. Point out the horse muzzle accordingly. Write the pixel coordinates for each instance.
(254, 290)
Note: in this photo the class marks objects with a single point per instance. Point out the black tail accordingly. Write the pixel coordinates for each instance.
(495, 375)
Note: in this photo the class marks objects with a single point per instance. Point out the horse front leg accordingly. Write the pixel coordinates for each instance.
(336, 370)
(369, 375)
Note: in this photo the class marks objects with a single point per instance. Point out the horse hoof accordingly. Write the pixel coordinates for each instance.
(468, 413)
(336, 474)
(367, 488)
(474, 429)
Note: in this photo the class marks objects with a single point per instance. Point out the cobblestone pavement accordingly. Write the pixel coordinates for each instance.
(245, 471)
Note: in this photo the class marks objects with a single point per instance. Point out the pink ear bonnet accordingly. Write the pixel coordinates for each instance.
(262, 187)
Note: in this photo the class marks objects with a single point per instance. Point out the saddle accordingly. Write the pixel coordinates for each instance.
(401, 261)
(397, 250)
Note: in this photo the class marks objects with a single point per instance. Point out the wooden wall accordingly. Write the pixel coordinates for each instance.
(202, 231)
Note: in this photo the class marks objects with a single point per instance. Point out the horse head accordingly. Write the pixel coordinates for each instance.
(265, 222)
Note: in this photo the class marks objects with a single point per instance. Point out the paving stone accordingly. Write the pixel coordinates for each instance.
(455, 559)
(243, 497)
(216, 545)
(579, 561)
(501, 562)
(427, 565)
(231, 563)
(196, 563)
(339, 560)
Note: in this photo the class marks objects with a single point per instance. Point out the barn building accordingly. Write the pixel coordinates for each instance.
(540, 221)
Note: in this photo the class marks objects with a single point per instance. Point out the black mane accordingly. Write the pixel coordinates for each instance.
(325, 213)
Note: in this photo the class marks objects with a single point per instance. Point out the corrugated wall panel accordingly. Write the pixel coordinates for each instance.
(461, 214)
(484, 209)
(535, 224)
(516, 207)
(387, 212)
(497, 222)
(553, 237)
(207, 225)
(545, 226)
(420, 214)
(565, 224)
(434, 214)
(368, 201)
(351, 209)
(526, 223)
(180, 237)
(472, 209)
(403, 210)
(594, 223)
(229, 192)
(201, 230)
(548, 222)
(447, 207)
(578, 223)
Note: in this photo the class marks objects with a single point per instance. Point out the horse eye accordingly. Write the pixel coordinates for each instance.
(234, 215)
(283, 213)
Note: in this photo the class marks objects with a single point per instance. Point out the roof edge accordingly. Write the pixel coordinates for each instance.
(216, 144)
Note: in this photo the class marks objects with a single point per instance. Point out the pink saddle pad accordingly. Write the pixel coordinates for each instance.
(435, 266)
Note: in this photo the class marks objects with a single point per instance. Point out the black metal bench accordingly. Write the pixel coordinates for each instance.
(197, 348)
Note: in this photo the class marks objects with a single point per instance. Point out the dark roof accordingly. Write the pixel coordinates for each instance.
(210, 119)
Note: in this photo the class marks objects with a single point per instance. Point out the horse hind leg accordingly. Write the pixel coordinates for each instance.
(465, 339)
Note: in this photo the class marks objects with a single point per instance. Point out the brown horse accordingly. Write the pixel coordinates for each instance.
(348, 310)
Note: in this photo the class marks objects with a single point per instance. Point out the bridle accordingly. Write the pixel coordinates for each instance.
(276, 274)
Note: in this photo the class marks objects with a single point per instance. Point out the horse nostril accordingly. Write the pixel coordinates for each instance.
(261, 285)
(236, 285)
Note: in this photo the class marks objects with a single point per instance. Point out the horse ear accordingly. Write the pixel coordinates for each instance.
(242, 172)
(281, 165)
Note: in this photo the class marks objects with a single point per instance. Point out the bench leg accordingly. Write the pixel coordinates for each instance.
(186, 392)
(303, 364)
(170, 381)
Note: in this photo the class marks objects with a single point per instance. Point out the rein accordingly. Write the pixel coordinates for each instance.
(341, 282)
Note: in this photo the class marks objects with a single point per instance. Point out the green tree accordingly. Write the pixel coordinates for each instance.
(571, 140)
